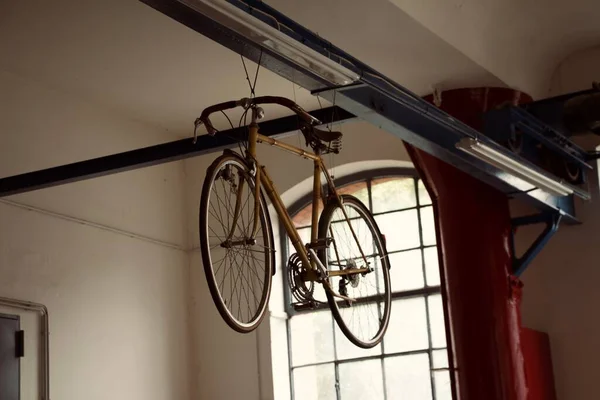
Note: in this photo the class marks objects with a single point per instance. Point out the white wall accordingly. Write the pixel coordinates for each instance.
(229, 365)
(117, 298)
(561, 295)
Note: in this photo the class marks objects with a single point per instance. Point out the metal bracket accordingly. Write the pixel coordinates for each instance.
(552, 220)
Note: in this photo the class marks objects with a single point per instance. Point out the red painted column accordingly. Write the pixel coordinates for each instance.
(482, 302)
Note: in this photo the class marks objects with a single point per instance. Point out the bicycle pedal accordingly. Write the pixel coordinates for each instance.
(322, 243)
(304, 305)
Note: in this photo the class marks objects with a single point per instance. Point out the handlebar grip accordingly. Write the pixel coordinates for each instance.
(204, 117)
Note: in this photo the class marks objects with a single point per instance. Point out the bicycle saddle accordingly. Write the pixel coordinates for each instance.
(326, 136)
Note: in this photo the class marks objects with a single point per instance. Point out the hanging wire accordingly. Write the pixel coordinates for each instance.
(297, 117)
(250, 84)
(232, 129)
(332, 158)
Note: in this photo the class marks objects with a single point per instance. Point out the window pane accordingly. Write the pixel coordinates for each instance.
(436, 321)
(358, 190)
(315, 383)
(432, 267)
(424, 198)
(407, 330)
(401, 229)
(440, 358)
(406, 270)
(393, 194)
(443, 388)
(304, 236)
(408, 377)
(346, 349)
(304, 216)
(312, 338)
(338, 214)
(361, 380)
(428, 226)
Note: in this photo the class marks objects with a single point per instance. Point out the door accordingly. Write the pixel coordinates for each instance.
(9, 360)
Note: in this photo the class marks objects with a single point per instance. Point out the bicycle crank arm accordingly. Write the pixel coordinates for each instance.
(339, 296)
(323, 270)
(346, 272)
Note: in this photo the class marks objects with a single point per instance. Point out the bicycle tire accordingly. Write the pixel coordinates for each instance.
(329, 221)
(236, 256)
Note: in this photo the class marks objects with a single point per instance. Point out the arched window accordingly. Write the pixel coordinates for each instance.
(411, 362)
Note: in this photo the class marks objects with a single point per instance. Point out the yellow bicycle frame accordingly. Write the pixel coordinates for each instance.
(262, 178)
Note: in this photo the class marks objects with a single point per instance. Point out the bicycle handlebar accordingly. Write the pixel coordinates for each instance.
(247, 103)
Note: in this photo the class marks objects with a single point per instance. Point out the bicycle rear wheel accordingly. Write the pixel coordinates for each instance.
(238, 265)
(364, 320)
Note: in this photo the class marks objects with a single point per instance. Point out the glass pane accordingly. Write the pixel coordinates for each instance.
(440, 358)
(424, 198)
(346, 349)
(304, 216)
(338, 214)
(428, 226)
(436, 321)
(401, 229)
(406, 271)
(315, 382)
(407, 330)
(312, 338)
(358, 190)
(443, 388)
(432, 267)
(361, 380)
(393, 194)
(304, 235)
(408, 377)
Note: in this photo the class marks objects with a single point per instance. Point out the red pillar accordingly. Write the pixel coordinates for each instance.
(482, 302)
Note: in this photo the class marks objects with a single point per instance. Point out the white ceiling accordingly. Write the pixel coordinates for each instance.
(123, 55)
(521, 42)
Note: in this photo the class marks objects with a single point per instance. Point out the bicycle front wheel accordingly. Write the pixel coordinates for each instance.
(364, 318)
(237, 258)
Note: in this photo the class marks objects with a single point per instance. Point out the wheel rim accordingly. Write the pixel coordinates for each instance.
(365, 319)
(240, 266)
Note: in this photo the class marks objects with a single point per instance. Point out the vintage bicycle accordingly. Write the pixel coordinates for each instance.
(346, 253)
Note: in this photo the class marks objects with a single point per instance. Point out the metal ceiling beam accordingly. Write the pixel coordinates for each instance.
(155, 155)
(374, 98)
(417, 125)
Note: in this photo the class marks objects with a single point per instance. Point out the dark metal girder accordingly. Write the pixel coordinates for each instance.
(426, 127)
(375, 98)
(154, 155)
(189, 16)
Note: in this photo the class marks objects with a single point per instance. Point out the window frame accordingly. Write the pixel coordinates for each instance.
(425, 292)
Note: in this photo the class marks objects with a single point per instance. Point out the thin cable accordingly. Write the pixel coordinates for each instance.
(243, 117)
(297, 117)
(250, 84)
(232, 129)
(247, 76)
(257, 69)
(228, 120)
(330, 123)
(332, 159)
